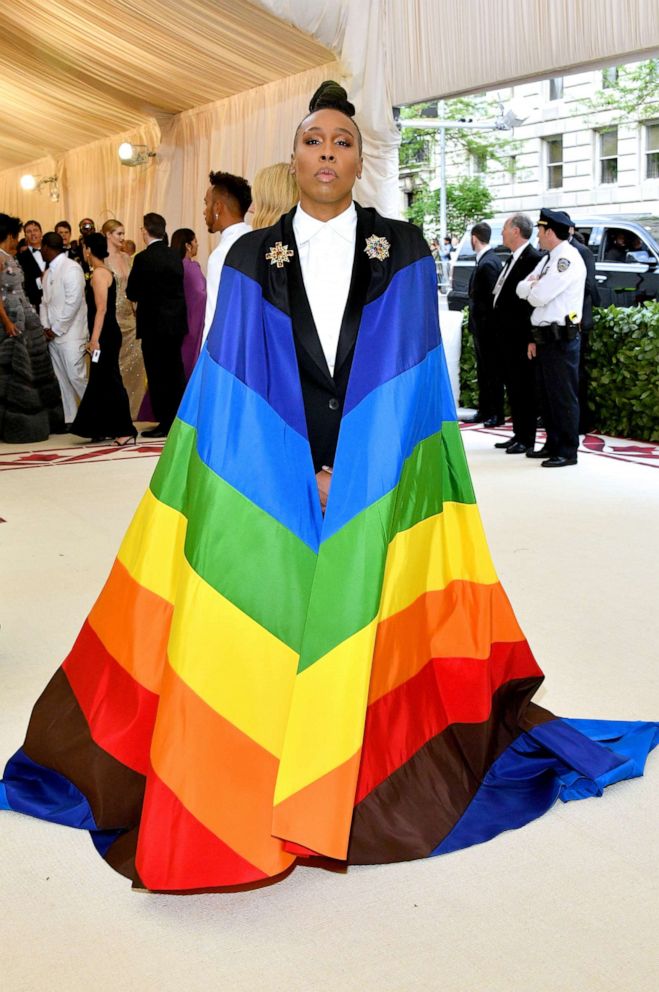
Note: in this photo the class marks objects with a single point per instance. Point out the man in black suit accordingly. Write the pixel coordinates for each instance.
(512, 320)
(32, 263)
(587, 420)
(481, 285)
(155, 284)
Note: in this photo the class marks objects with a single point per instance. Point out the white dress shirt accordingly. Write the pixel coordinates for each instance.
(214, 270)
(558, 290)
(503, 275)
(327, 254)
(38, 258)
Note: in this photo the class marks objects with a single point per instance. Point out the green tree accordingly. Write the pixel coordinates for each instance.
(633, 95)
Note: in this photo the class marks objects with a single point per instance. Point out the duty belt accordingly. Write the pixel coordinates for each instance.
(546, 333)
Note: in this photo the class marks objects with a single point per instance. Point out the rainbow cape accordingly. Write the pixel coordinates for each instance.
(257, 683)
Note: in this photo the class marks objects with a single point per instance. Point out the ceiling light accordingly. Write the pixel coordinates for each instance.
(134, 154)
(28, 181)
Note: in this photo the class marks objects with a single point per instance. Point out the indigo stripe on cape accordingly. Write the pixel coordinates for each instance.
(380, 356)
(263, 358)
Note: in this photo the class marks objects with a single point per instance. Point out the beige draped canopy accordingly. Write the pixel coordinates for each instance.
(222, 83)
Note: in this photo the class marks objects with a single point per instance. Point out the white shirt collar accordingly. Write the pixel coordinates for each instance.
(56, 261)
(518, 251)
(240, 227)
(482, 252)
(305, 226)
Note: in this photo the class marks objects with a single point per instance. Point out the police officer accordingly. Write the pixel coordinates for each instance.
(555, 290)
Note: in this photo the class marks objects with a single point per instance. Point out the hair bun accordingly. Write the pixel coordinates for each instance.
(331, 96)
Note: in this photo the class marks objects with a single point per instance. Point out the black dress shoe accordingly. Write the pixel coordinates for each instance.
(155, 432)
(557, 461)
(476, 418)
(506, 444)
(517, 449)
(540, 453)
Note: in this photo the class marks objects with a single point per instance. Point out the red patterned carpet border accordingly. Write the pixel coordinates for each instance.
(618, 448)
(76, 455)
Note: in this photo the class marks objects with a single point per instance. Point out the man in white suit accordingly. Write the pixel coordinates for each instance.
(63, 313)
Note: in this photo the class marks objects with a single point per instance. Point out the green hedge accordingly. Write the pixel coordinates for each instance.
(623, 369)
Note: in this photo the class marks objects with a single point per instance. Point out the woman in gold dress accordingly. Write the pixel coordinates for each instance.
(131, 363)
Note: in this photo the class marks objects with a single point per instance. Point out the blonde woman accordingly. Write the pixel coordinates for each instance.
(131, 362)
(274, 192)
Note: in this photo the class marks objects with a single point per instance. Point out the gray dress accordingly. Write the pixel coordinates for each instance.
(30, 400)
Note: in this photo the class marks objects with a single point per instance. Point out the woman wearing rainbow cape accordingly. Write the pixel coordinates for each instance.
(315, 658)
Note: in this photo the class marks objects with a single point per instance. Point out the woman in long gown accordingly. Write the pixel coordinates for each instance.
(30, 399)
(104, 411)
(131, 363)
(184, 241)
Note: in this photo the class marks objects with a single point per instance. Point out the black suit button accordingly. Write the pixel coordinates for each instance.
(334, 404)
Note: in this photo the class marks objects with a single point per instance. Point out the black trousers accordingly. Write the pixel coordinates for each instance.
(558, 376)
(490, 384)
(164, 371)
(518, 374)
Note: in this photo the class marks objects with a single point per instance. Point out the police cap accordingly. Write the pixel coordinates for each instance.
(557, 220)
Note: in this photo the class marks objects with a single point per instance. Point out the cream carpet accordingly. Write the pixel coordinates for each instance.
(568, 903)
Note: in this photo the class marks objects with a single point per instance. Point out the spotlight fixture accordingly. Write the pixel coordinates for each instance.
(134, 154)
(29, 182)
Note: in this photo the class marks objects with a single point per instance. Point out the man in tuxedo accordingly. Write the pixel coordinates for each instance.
(32, 263)
(512, 322)
(63, 228)
(155, 284)
(227, 200)
(587, 419)
(481, 285)
(63, 313)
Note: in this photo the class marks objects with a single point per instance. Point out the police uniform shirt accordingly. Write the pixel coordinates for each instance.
(558, 291)
(327, 253)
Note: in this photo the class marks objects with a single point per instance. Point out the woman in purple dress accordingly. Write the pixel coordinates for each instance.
(194, 286)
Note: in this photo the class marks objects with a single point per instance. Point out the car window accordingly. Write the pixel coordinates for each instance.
(588, 239)
(619, 242)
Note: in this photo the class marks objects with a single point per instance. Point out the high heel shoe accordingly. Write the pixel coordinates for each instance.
(125, 444)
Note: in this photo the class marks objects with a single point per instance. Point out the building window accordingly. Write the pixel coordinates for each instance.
(512, 168)
(478, 163)
(609, 77)
(556, 88)
(554, 162)
(609, 155)
(652, 150)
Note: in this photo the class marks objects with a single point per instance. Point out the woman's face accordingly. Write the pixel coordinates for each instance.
(326, 161)
(116, 238)
(192, 247)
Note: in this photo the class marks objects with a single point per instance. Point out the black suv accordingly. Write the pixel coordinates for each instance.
(626, 250)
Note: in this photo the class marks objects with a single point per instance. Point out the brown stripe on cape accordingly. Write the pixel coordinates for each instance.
(58, 737)
(413, 810)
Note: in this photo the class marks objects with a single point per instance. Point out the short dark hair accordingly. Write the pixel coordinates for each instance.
(63, 223)
(9, 226)
(53, 241)
(155, 225)
(97, 244)
(482, 231)
(523, 223)
(180, 238)
(235, 188)
(28, 222)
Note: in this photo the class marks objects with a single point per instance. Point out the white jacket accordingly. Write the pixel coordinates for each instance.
(63, 308)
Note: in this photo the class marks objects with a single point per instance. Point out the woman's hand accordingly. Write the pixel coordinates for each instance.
(93, 346)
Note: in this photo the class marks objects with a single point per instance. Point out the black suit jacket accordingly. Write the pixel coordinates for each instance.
(324, 395)
(31, 272)
(512, 316)
(591, 296)
(481, 284)
(155, 283)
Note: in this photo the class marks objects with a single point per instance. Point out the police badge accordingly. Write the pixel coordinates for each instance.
(563, 264)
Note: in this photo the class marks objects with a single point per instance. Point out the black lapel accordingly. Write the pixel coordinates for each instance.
(304, 327)
(359, 283)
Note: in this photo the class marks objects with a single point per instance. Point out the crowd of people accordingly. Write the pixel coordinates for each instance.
(530, 319)
(95, 335)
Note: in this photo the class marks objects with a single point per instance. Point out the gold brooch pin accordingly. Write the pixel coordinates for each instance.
(279, 254)
(377, 248)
